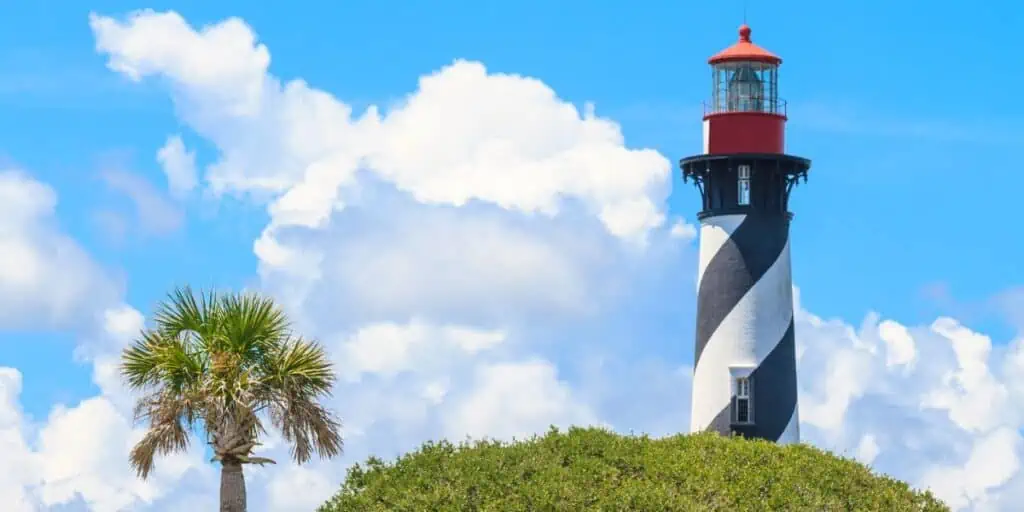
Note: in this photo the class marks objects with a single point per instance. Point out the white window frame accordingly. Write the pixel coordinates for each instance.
(743, 387)
(743, 185)
(743, 394)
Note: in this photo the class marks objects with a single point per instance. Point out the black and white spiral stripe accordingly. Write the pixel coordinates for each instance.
(745, 326)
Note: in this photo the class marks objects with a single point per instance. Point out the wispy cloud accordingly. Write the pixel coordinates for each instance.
(155, 213)
(1005, 306)
(41, 77)
(1010, 304)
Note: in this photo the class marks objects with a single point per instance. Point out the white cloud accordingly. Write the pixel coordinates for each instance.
(473, 340)
(464, 135)
(122, 322)
(45, 277)
(681, 229)
(841, 373)
(96, 470)
(432, 378)
(179, 165)
(298, 489)
(507, 139)
(409, 260)
(947, 422)
(516, 399)
(974, 398)
(867, 449)
(993, 460)
(19, 467)
(388, 349)
(899, 343)
(223, 59)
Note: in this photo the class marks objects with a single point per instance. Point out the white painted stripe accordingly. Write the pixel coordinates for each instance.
(745, 337)
(792, 432)
(714, 232)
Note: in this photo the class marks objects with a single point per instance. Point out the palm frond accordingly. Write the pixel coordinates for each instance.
(140, 362)
(253, 323)
(156, 360)
(295, 377)
(170, 420)
(301, 364)
(183, 311)
(308, 427)
(164, 405)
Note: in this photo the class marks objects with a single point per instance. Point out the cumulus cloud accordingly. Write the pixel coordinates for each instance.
(400, 259)
(47, 464)
(95, 470)
(515, 400)
(389, 349)
(925, 403)
(465, 134)
(992, 460)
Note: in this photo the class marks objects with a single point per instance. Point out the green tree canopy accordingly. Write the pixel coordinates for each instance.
(593, 469)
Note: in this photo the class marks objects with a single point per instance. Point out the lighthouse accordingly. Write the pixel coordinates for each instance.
(744, 378)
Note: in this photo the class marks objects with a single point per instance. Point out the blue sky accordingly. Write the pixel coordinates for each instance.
(907, 111)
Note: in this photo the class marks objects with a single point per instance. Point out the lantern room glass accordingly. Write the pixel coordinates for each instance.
(745, 86)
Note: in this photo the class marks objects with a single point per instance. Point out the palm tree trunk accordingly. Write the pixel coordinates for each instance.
(232, 487)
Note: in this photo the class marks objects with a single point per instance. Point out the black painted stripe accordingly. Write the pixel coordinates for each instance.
(775, 388)
(741, 261)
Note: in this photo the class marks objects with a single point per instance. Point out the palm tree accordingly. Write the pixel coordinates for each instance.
(224, 364)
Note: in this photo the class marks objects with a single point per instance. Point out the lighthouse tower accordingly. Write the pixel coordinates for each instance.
(744, 378)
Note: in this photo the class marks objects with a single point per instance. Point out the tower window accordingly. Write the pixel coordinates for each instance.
(743, 184)
(743, 412)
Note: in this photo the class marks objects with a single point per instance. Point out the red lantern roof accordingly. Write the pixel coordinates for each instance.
(744, 50)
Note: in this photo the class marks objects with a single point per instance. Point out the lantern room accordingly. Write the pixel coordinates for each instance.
(744, 168)
(745, 113)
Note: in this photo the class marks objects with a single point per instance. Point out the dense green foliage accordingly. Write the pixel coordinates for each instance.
(593, 469)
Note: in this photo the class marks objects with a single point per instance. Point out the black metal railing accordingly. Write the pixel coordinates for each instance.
(745, 104)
